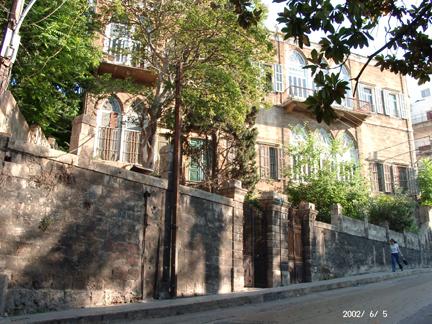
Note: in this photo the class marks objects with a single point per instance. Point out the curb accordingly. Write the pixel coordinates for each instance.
(166, 308)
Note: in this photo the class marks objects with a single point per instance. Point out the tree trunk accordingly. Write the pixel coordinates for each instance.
(147, 145)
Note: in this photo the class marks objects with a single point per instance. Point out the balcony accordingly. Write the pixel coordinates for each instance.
(351, 111)
(118, 59)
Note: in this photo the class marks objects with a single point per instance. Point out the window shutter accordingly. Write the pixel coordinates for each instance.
(281, 163)
(106, 43)
(388, 178)
(374, 177)
(378, 100)
(396, 178)
(412, 184)
(385, 102)
(264, 161)
(362, 96)
(278, 78)
(403, 107)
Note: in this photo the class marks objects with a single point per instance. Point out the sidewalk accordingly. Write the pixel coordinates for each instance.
(164, 308)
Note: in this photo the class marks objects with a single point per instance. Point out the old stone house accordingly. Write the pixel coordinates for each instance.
(421, 115)
(374, 124)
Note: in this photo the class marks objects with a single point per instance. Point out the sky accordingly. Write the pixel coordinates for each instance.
(379, 34)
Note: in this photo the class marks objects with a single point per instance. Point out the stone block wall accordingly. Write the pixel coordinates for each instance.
(349, 247)
(73, 236)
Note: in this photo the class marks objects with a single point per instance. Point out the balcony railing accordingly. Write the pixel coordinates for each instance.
(421, 117)
(115, 144)
(120, 50)
(297, 93)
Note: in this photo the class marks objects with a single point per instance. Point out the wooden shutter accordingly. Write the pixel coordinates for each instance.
(264, 161)
(385, 102)
(278, 78)
(388, 178)
(281, 163)
(374, 176)
(412, 184)
(403, 106)
(396, 177)
(378, 99)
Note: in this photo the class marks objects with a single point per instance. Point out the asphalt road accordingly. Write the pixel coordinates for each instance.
(405, 300)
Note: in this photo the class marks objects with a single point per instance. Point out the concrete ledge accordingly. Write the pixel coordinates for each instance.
(165, 308)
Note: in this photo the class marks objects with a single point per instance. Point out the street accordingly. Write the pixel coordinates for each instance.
(404, 300)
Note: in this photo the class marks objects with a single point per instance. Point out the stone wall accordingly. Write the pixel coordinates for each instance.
(348, 247)
(73, 236)
(12, 122)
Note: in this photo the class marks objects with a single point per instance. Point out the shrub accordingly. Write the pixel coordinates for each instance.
(397, 210)
(425, 182)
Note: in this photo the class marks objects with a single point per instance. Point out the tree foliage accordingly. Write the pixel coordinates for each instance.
(320, 176)
(220, 82)
(349, 26)
(425, 182)
(54, 63)
(397, 210)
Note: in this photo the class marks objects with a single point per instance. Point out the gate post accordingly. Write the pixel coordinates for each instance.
(233, 189)
(275, 208)
(309, 214)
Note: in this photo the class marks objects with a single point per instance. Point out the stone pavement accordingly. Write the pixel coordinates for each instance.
(157, 309)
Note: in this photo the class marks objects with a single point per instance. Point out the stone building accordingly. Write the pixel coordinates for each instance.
(421, 115)
(374, 124)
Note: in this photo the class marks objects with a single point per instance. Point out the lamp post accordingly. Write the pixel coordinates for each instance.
(11, 40)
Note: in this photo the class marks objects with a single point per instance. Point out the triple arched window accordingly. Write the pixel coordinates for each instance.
(118, 134)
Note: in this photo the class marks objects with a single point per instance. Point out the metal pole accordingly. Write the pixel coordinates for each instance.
(176, 180)
(11, 39)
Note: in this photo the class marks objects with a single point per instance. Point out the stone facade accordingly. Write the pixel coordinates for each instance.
(75, 236)
(380, 135)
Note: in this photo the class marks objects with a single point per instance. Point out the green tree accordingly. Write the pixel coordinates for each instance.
(54, 63)
(348, 26)
(320, 176)
(425, 182)
(220, 83)
(397, 210)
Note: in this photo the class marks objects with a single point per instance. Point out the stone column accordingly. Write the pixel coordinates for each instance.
(83, 138)
(336, 217)
(275, 208)
(233, 189)
(309, 214)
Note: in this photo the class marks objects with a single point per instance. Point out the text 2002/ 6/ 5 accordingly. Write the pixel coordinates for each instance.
(362, 313)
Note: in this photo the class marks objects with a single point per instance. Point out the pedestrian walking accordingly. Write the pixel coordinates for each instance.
(395, 253)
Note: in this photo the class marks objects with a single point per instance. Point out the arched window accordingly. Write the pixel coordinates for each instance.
(350, 154)
(324, 145)
(298, 135)
(297, 76)
(135, 118)
(299, 167)
(109, 115)
(347, 101)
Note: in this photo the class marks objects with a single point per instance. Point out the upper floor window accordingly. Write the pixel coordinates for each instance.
(367, 94)
(425, 93)
(347, 101)
(270, 162)
(200, 161)
(298, 81)
(118, 43)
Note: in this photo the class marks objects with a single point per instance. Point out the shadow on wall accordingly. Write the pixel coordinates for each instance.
(205, 261)
(76, 238)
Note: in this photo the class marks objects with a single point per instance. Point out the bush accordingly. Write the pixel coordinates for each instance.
(425, 182)
(397, 210)
(325, 190)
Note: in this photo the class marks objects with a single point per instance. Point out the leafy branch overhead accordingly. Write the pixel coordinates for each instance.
(350, 26)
